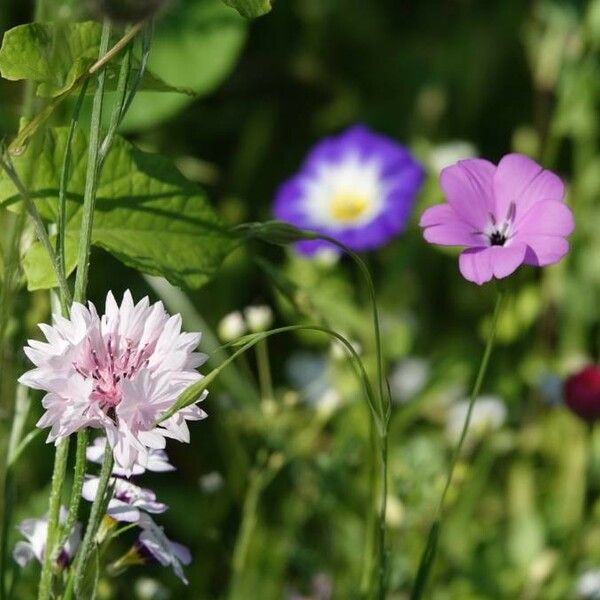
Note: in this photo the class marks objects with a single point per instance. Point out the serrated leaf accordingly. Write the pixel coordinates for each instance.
(195, 46)
(147, 214)
(57, 56)
(250, 8)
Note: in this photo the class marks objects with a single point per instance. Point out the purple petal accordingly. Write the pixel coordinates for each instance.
(443, 226)
(479, 265)
(468, 188)
(543, 250)
(521, 180)
(547, 217)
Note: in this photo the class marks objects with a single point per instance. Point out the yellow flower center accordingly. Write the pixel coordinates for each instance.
(348, 207)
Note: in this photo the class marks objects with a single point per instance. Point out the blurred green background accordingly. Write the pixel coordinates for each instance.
(271, 496)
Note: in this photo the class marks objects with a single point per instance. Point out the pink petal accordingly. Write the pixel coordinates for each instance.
(468, 186)
(545, 250)
(479, 265)
(443, 226)
(521, 180)
(547, 217)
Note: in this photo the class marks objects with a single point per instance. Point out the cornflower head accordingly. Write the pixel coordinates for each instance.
(119, 373)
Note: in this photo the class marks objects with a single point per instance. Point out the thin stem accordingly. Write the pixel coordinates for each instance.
(371, 519)
(79, 568)
(58, 476)
(78, 479)
(91, 179)
(383, 441)
(40, 231)
(107, 56)
(428, 555)
(64, 179)
(264, 370)
(117, 112)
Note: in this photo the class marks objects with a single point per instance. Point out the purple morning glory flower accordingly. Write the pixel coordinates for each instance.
(505, 216)
(357, 187)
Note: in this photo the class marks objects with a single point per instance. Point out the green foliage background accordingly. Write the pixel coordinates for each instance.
(504, 75)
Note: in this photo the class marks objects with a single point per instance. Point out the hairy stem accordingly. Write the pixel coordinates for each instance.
(91, 179)
(58, 476)
(79, 568)
(428, 555)
(64, 180)
(41, 232)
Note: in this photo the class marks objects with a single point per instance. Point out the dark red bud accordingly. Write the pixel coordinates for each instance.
(582, 393)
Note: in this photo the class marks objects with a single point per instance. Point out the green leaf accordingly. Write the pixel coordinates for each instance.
(37, 266)
(195, 46)
(250, 8)
(57, 56)
(147, 214)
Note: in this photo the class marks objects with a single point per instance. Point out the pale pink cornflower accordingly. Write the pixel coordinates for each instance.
(505, 216)
(119, 372)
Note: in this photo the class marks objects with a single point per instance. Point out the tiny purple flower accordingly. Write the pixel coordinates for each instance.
(153, 545)
(128, 501)
(505, 216)
(357, 187)
(35, 532)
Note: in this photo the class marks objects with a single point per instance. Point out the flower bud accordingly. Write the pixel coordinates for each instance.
(258, 318)
(582, 393)
(232, 327)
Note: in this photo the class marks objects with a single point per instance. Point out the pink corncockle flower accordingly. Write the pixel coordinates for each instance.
(119, 372)
(157, 460)
(128, 500)
(36, 531)
(505, 216)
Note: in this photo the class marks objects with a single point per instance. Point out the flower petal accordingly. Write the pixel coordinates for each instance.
(479, 265)
(468, 187)
(520, 180)
(547, 217)
(543, 250)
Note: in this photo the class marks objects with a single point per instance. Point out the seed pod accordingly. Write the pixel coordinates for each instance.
(582, 393)
(126, 11)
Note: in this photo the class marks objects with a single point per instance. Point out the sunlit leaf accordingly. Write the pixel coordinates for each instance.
(147, 214)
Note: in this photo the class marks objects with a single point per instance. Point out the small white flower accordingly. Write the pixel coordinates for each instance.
(489, 414)
(211, 482)
(258, 318)
(448, 153)
(128, 499)
(408, 378)
(154, 546)
(588, 585)
(232, 327)
(36, 531)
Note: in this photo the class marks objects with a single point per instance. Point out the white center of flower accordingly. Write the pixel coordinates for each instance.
(499, 233)
(344, 193)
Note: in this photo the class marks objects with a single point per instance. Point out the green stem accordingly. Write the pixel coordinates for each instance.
(58, 476)
(382, 585)
(429, 552)
(91, 179)
(64, 179)
(78, 479)
(371, 519)
(79, 568)
(264, 370)
(40, 230)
